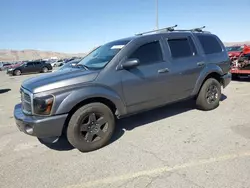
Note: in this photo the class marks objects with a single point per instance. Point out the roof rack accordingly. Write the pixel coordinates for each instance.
(171, 29)
(163, 29)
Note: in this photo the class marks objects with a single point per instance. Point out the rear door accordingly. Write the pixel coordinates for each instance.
(186, 63)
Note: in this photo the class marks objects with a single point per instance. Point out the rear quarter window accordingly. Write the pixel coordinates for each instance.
(210, 44)
(181, 47)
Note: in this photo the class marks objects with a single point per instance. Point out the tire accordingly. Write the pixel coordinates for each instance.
(17, 72)
(91, 127)
(209, 95)
(45, 69)
(235, 77)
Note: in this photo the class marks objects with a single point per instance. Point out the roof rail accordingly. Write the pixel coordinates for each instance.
(199, 29)
(171, 29)
(163, 29)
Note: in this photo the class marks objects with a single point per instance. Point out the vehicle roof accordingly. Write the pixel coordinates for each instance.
(158, 33)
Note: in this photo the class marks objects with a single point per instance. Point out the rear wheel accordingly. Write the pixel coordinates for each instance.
(91, 127)
(45, 69)
(17, 72)
(209, 95)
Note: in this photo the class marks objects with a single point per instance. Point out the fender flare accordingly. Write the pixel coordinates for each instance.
(79, 95)
(210, 69)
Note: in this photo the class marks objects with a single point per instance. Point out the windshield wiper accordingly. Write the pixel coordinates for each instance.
(80, 66)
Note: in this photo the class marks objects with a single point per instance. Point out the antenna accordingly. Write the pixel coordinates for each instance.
(163, 29)
(157, 16)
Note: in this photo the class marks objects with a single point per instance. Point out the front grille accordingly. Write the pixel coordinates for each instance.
(26, 102)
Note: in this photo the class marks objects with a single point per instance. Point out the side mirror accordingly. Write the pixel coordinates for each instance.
(130, 63)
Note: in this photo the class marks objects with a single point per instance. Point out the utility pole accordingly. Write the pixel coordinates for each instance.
(157, 22)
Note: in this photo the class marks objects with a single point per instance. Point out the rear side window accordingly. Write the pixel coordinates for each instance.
(148, 53)
(210, 44)
(182, 47)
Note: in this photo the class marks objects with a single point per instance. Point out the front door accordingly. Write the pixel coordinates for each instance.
(143, 85)
(29, 67)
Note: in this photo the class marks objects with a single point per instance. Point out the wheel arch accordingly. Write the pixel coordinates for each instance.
(111, 105)
(17, 70)
(210, 72)
(78, 97)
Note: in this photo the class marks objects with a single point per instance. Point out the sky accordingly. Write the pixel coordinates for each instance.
(74, 26)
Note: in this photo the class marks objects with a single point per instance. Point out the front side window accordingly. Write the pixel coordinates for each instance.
(181, 47)
(29, 64)
(37, 63)
(148, 53)
(101, 56)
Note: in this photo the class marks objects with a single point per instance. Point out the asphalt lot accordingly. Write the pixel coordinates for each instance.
(175, 146)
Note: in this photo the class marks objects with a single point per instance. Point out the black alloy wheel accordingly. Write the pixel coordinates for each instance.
(91, 127)
(94, 127)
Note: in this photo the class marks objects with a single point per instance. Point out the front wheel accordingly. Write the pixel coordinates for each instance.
(91, 127)
(45, 69)
(17, 72)
(209, 95)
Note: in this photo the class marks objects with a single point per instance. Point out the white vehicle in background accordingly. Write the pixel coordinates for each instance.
(57, 63)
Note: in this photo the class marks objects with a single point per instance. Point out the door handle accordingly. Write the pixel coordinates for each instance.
(163, 70)
(200, 64)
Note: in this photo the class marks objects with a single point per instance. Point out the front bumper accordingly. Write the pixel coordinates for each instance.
(226, 79)
(41, 127)
(10, 72)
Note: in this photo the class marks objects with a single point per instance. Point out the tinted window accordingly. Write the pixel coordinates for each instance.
(102, 55)
(37, 63)
(210, 44)
(181, 47)
(148, 53)
(30, 64)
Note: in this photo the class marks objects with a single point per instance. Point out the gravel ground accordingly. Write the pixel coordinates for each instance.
(175, 146)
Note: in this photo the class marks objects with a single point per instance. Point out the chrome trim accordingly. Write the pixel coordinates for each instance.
(31, 100)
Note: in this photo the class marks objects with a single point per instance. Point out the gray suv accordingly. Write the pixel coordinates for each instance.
(122, 78)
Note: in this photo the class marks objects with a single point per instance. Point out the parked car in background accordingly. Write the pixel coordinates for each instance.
(5, 66)
(69, 65)
(57, 63)
(29, 67)
(234, 51)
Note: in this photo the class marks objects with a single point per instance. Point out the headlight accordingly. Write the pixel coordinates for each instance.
(43, 105)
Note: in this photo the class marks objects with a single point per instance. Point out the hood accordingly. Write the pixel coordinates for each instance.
(59, 79)
(234, 53)
(16, 65)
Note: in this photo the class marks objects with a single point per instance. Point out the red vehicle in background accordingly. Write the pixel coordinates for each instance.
(240, 60)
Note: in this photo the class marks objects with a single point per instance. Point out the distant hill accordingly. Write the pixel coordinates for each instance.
(236, 43)
(15, 55)
(20, 55)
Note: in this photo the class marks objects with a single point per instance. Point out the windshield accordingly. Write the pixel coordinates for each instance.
(101, 56)
(234, 48)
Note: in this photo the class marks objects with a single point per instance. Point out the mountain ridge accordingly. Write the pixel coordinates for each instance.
(9, 55)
